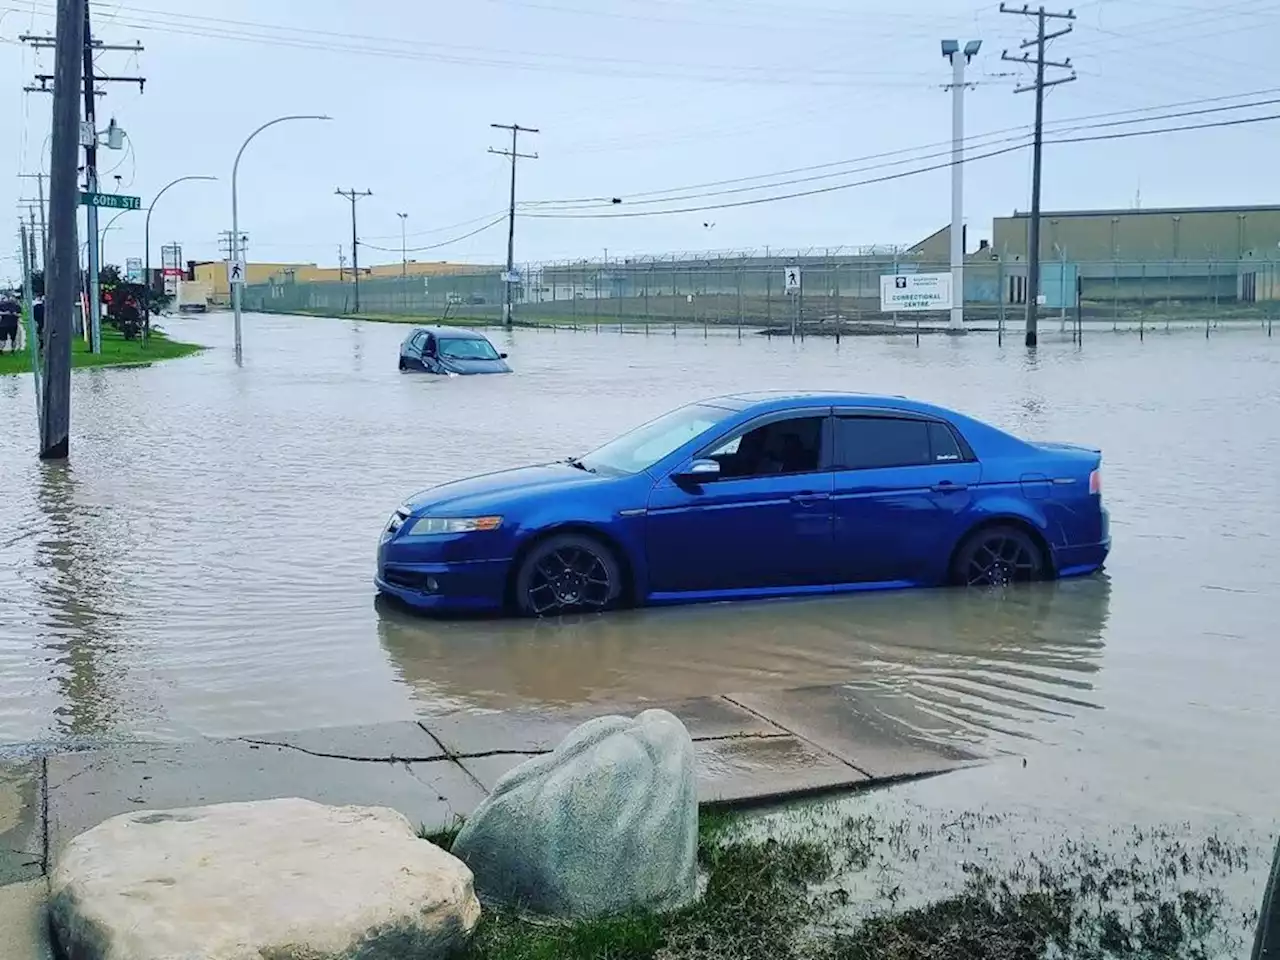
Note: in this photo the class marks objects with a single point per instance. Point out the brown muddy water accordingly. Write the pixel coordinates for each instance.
(202, 566)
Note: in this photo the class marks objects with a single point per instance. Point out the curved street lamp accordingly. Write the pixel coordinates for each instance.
(102, 238)
(146, 270)
(235, 214)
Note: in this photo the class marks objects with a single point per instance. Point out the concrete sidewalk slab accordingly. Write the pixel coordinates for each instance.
(21, 821)
(473, 733)
(406, 740)
(733, 770)
(88, 788)
(848, 724)
(24, 921)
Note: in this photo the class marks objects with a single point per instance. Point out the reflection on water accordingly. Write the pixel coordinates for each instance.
(954, 664)
(203, 566)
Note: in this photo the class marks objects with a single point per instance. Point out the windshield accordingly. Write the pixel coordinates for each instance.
(467, 348)
(646, 445)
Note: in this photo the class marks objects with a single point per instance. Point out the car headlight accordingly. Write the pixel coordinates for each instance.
(436, 526)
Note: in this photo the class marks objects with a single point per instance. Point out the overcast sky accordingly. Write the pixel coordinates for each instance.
(634, 97)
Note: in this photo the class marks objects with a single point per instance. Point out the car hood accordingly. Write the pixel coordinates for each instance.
(495, 490)
(474, 366)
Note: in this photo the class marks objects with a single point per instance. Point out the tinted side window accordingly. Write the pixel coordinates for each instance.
(942, 444)
(781, 447)
(868, 443)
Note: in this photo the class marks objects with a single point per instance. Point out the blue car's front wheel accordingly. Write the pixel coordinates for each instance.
(568, 573)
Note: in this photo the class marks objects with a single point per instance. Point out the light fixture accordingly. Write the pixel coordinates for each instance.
(971, 48)
(950, 47)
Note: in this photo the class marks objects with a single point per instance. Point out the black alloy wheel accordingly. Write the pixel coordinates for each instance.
(997, 556)
(568, 574)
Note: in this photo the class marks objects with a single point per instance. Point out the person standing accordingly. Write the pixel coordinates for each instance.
(9, 313)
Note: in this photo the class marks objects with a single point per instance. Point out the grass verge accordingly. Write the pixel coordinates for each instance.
(116, 352)
(771, 899)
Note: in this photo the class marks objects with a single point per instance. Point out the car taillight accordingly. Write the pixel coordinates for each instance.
(1095, 482)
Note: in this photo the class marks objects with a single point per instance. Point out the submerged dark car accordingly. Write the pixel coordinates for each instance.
(446, 350)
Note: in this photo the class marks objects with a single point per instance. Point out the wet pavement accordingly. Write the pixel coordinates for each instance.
(202, 566)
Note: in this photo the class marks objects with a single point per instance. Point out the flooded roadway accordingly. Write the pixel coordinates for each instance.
(203, 565)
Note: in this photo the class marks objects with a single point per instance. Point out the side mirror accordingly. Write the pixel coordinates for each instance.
(699, 471)
(502, 356)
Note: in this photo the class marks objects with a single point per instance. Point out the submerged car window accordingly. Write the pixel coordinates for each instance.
(868, 443)
(783, 446)
(647, 444)
(467, 348)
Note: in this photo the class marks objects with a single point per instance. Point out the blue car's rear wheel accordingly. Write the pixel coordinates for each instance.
(997, 556)
(567, 574)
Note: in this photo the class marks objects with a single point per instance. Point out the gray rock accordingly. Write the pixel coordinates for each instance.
(605, 823)
(269, 880)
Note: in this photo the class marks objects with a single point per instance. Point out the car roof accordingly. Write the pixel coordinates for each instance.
(456, 333)
(765, 401)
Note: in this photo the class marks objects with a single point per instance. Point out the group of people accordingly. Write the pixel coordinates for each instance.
(10, 318)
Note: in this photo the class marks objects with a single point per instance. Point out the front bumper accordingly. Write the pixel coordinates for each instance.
(475, 586)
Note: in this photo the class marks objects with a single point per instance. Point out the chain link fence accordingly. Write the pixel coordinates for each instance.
(832, 289)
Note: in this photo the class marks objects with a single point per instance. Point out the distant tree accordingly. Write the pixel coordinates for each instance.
(109, 275)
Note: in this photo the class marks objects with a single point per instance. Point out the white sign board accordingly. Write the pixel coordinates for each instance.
(511, 276)
(791, 279)
(235, 272)
(133, 269)
(907, 292)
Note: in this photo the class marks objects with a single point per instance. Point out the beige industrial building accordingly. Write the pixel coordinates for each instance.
(214, 273)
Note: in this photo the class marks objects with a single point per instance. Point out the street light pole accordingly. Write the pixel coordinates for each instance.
(235, 214)
(959, 59)
(404, 254)
(146, 270)
(102, 238)
(404, 261)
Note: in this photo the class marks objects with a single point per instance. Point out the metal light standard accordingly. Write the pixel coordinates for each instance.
(959, 59)
(102, 238)
(235, 214)
(404, 260)
(146, 270)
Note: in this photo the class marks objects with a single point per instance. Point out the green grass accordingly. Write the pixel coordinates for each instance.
(771, 899)
(116, 351)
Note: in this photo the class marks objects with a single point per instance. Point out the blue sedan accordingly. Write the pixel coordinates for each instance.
(749, 496)
(446, 350)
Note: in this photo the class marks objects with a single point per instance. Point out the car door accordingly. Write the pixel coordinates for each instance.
(902, 489)
(413, 352)
(764, 524)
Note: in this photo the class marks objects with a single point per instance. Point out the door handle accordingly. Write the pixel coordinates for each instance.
(807, 499)
(946, 486)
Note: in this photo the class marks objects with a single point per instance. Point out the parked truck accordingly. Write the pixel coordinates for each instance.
(194, 296)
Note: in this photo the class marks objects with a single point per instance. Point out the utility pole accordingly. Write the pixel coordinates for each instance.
(353, 195)
(89, 49)
(515, 154)
(959, 60)
(39, 179)
(1040, 42)
(63, 250)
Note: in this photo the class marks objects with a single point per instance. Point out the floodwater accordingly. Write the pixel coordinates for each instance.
(202, 566)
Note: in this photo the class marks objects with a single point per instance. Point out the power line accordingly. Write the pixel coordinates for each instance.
(666, 197)
(896, 176)
(306, 38)
(444, 243)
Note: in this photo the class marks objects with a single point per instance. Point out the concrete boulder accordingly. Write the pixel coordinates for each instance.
(605, 823)
(270, 880)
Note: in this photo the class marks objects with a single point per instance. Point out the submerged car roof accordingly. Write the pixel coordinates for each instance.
(446, 333)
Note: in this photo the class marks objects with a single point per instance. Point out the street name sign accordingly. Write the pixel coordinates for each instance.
(116, 201)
